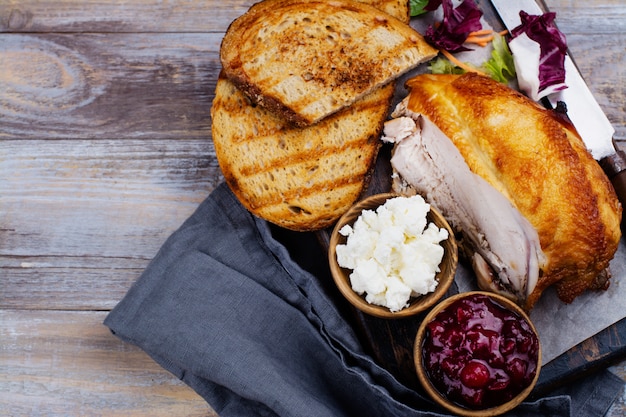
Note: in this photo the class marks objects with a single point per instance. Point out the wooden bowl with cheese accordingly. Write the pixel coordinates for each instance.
(392, 256)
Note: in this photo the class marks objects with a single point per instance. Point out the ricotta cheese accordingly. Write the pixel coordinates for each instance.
(394, 252)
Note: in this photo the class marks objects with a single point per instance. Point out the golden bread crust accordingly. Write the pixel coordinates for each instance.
(539, 163)
(306, 59)
(396, 8)
(301, 179)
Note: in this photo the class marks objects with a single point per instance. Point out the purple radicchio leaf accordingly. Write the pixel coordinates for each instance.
(432, 5)
(458, 22)
(553, 47)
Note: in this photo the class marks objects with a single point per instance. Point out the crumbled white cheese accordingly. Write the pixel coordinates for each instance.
(393, 253)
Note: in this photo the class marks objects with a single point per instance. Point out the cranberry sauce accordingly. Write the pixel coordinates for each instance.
(479, 354)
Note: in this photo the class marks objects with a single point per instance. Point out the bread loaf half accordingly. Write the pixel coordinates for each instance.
(307, 59)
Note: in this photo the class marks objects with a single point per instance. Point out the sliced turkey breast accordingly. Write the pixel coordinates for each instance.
(498, 234)
(534, 207)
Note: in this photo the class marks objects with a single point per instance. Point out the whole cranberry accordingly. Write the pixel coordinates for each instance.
(475, 374)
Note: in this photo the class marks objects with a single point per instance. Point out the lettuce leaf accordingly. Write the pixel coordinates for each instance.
(419, 7)
(500, 66)
(444, 66)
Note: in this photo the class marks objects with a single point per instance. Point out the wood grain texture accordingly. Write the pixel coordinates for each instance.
(105, 149)
(107, 86)
(599, 63)
(69, 364)
(116, 84)
(618, 409)
(607, 17)
(119, 15)
(80, 219)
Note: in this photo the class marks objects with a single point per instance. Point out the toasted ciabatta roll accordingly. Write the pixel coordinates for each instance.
(306, 59)
(301, 179)
(530, 156)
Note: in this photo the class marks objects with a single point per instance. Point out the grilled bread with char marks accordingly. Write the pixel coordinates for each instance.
(301, 179)
(307, 59)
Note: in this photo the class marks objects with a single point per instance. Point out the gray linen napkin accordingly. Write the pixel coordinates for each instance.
(225, 308)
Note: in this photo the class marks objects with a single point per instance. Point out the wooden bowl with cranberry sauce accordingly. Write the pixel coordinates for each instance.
(477, 354)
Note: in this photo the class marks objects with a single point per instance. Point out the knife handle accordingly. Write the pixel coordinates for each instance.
(615, 168)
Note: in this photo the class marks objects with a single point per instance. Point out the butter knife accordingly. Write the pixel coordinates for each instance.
(582, 108)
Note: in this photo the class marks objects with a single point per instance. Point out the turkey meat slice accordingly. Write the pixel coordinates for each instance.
(506, 252)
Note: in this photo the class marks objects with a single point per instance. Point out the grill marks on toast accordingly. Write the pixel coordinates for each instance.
(281, 183)
(313, 160)
(298, 178)
(306, 59)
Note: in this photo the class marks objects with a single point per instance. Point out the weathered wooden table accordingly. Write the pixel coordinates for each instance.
(105, 148)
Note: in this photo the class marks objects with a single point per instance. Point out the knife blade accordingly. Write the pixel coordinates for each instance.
(582, 108)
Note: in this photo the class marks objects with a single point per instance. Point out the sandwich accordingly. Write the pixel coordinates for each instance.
(531, 205)
(301, 178)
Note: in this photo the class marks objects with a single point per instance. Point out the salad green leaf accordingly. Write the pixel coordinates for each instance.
(418, 7)
(500, 66)
(444, 66)
(539, 49)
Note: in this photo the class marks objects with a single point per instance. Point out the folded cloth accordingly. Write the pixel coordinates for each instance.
(225, 308)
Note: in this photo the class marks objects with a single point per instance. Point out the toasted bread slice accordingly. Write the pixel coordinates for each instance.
(396, 8)
(307, 59)
(301, 179)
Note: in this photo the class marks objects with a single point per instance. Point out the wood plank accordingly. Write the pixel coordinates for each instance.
(80, 219)
(133, 86)
(103, 86)
(69, 364)
(606, 17)
(119, 15)
(598, 352)
(618, 409)
(161, 86)
(99, 197)
(65, 282)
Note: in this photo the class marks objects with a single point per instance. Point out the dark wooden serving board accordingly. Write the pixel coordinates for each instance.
(390, 342)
